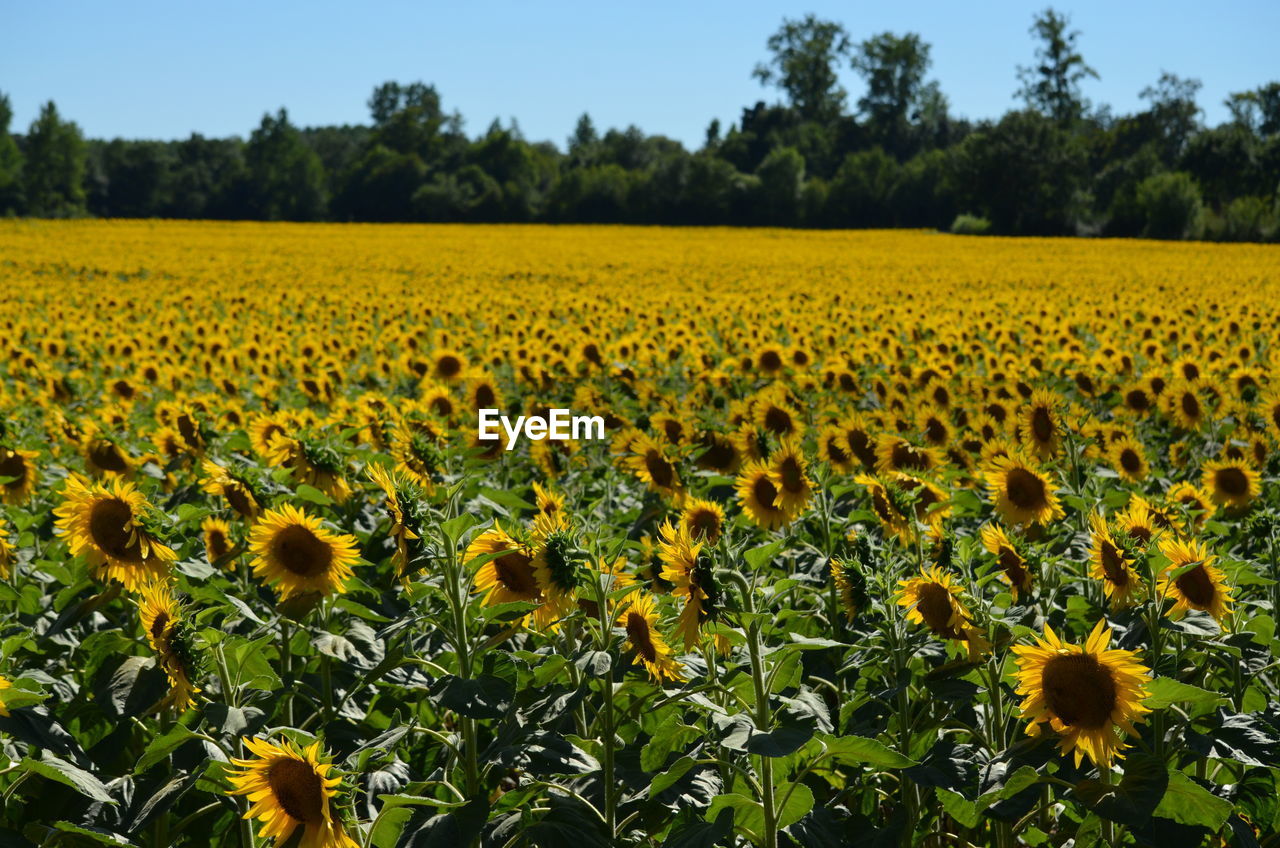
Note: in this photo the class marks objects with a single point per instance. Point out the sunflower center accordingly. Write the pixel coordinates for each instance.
(792, 478)
(838, 454)
(108, 457)
(109, 526)
(1130, 461)
(14, 466)
(1137, 400)
(770, 360)
(1231, 481)
(638, 635)
(158, 626)
(1041, 424)
(659, 469)
(777, 420)
(1190, 405)
(448, 366)
(764, 491)
(301, 553)
(1196, 586)
(217, 542)
(239, 499)
(1113, 564)
(705, 523)
(1080, 690)
(933, 602)
(298, 789)
(860, 444)
(516, 573)
(905, 456)
(1025, 489)
(1011, 563)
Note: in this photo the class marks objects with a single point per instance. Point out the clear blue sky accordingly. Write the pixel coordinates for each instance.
(162, 70)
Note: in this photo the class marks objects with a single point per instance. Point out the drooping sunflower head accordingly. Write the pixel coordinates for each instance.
(557, 561)
(895, 453)
(1197, 502)
(547, 499)
(111, 524)
(1192, 580)
(507, 575)
(290, 788)
(1012, 564)
(218, 541)
(1021, 492)
(294, 551)
(168, 632)
(1084, 693)
(933, 599)
(1232, 483)
(1111, 562)
(639, 618)
(239, 491)
(17, 475)
(851, 586)
(315, 461)
(650, 462)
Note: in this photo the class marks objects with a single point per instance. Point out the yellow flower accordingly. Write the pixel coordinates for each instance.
(1021, 493)
(760, 497)
(691, 577)
(1109, 563)
(933, 599)
(217, 540)
(1013, 566)
(703, 519)
(294, 551)
(639, 619)
(1232, 483)
(1198, 584)
(105, 522)
(1084, 693)
(289, 789)
(162, 620)
(18, 471)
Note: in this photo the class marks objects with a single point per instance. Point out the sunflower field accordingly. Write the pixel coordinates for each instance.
(894, 538)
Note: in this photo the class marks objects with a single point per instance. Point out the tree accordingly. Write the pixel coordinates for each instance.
(286, 178)
(1257, 110)
(10, 163)
(54, 168)
(805, 56)
(781, 179)
(1052, 87)
(584, 141)
(1174, 113)
(894, 68)
(1171, 205)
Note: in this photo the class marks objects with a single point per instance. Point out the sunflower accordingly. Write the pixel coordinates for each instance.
(788, 470)
(833, 448)
(887, 502)
(110, 524)
(688, 569)
(760, 498)
(17, 475)
(448, 365)
(313, 462)
(1195, 500)
(1040, 425)
(4, 684)
(933, 599)
(170, 637)
(717, 452)
(507, 576)
(703, 520)
(1013, 566)
(1231, 483)
(7, 555)
(294, 551)
(239, 493)
(1021, 493)
(1193, 581)
(639, 619)
(217, 539)
(389, 481)
(650, 462)
(1128, 460)
(1084, 693)
(1183, 403)
(104, 458)
(264, 429)
(851, 586)
(289, 789)
(547, 499)
(894, 453)
(861, 442)
(1110, 563)
(556, 563)
(778, 417)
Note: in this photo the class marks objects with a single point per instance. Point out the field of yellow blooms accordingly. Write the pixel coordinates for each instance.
(893, 538)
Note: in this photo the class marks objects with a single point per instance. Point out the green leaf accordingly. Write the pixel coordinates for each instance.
(664, 781)
(391, 802)
(759, 557)
(1166, 691)
(65, 773)
(671, 736)
(311, 494)
(162, 746)
(796, 806)
(748, 816)
(1134, 798)
(456, 526)
(859, 750)
(1189, 803)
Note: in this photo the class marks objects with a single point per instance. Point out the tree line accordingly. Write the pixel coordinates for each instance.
(895, 157)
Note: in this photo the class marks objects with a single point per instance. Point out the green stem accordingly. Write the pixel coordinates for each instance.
(762, 724)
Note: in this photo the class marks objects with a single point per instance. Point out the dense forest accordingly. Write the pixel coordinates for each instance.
(895, 157)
